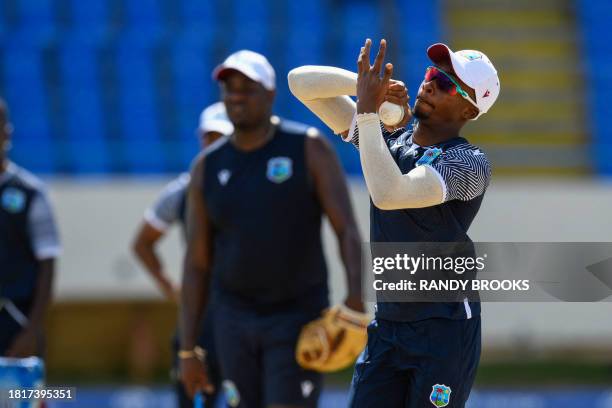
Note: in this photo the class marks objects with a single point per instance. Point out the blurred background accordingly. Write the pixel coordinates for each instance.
(105, 97)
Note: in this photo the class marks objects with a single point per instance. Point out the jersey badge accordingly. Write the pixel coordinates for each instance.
(440, 395)
(13, 200)
(429, 156)
(224, 176)
(279, 169)
(232, 396)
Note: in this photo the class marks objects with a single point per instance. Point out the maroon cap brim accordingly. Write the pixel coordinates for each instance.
(438, 53)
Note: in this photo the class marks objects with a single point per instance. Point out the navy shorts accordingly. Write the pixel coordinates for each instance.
(429, 363)
(257, 357)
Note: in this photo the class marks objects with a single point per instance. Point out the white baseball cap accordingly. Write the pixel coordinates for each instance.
(253, 65)
(214, 119)
(472, 67)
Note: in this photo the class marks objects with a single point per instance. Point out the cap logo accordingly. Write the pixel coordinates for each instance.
(487, 93)
(471, 55)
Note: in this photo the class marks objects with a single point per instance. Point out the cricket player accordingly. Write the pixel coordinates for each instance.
(29, 245)
(169, 209)
(254, 244)
(426, 185)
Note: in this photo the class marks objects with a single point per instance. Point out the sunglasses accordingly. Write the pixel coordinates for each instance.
(446, 83)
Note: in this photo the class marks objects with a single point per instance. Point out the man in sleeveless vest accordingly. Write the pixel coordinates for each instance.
(255, 206)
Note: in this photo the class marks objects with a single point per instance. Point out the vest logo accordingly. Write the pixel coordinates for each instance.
(232, 396)
(307, 388)
(440, 395)
(486, 94)
(13, 200)
(224, 176)
(279, 169)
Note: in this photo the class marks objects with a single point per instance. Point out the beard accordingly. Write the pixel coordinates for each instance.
(419, 114)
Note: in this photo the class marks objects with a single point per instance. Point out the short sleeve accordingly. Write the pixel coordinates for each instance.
(43, 228)
(465, 173)
(166, 209)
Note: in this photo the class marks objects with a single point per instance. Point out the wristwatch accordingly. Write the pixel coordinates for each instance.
(197, 352)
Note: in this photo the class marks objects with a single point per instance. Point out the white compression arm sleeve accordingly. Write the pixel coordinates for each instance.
(325, 91)
(389, 188)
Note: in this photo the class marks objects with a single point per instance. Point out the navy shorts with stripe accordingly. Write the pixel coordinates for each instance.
(403, 361)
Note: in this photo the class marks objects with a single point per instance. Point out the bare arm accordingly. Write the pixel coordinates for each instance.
(196, 282)
(196, 267)
(332, 192)
(42, 294)
(27, 342)
(144, 248)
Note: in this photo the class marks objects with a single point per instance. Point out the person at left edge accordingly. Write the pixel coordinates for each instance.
(29, 245)
(255, 205)
(169, 209)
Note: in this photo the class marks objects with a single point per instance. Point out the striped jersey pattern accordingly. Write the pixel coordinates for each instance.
(466, 171)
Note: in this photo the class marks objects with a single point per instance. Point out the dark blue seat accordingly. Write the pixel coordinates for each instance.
(143, 20)
(139, 111)
(36, 22)
(91, 22)
(199, 14)
(419, 28)
(360, 20)
(594, 19)
(305, 39)
(29, 106)
(86, 128)
(251, 28)
(191, 65)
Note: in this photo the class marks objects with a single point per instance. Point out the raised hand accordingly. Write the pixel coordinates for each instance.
(371, 88)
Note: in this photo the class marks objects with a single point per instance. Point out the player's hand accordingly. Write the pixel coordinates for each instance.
(25, 343)
(371, 88)
(397, 93)
(194, 376)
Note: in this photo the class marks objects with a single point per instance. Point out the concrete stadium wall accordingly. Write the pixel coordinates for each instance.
(98, 219)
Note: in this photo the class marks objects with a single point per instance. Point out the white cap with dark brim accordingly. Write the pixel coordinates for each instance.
(472, 67)
(255, 66)
(214, 119)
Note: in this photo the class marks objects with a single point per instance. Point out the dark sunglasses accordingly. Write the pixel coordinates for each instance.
(446, 83)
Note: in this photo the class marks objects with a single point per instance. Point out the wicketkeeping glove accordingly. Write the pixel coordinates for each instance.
(333, 341)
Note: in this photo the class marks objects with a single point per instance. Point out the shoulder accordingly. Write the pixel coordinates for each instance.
(465, 170)
(316, 143)
(177, 185)
(208, 153)
(26, 179)
(290, 127)
(215, 147)
(468, 156)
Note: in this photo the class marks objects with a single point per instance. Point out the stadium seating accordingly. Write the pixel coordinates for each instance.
(116, 86)
(594, 17)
